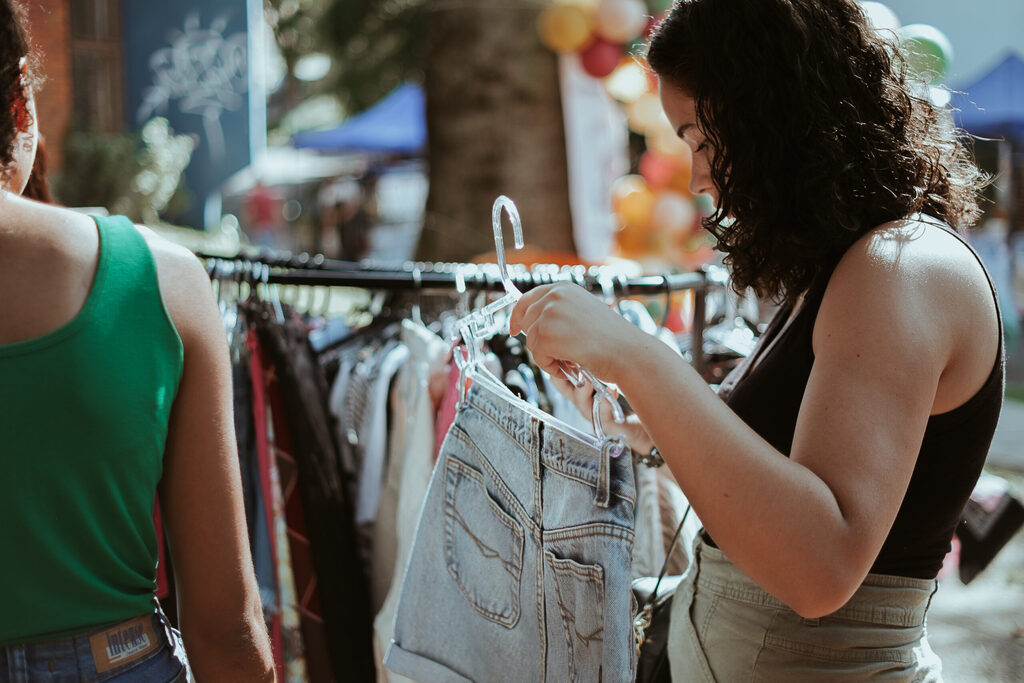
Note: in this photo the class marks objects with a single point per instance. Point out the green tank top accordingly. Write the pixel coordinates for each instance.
(83, 421)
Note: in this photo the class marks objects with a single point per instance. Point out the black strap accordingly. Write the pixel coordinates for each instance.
(668, 556)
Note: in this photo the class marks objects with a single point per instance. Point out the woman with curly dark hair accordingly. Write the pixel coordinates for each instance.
(115, 389)
(831, 469)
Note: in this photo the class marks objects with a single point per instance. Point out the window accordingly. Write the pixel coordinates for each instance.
(96, 64)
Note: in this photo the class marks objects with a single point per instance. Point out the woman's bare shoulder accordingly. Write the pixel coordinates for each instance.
(184, 285)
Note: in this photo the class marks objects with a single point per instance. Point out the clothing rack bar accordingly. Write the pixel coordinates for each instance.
(317, 271)
(303, 269)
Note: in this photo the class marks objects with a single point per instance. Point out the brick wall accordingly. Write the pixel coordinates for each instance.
(50, 23)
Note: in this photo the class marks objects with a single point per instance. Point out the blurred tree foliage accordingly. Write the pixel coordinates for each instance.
(375, 44)
(134, 174)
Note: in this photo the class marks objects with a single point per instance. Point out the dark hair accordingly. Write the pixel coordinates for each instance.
(817, 133)
(14, 44)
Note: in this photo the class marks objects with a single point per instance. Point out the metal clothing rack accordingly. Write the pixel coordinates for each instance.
(274, 267)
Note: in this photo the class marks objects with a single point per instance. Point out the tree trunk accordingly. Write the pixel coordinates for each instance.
(494, 122)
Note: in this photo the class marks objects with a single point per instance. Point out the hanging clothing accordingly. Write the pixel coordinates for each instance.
(83, 423)
(287, 639)
(374, 432)
(328, 511)
(411, 461)
(520, 569)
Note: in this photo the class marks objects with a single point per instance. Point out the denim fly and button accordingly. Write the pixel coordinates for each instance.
(520, 568)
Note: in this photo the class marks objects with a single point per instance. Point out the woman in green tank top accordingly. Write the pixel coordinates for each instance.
(114, 390)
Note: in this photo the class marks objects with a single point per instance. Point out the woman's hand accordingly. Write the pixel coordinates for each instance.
(565, 323)
(632, 430)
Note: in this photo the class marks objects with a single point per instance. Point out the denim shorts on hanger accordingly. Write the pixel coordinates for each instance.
(144, 649)
(520, 567)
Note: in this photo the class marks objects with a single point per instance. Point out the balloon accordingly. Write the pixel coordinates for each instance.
(620, 21)
(564, 28)
(633, 201)
(680, 180)
(664, 140)
(698, 257)
(882, 19)
(601, 58)
(644, 113)
(660, 5)
(927, 51)
(627, 82)
(657, 169)
(672, 213)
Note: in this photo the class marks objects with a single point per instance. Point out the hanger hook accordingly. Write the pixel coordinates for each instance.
(417, 280)
(503, 202)
(668, 300)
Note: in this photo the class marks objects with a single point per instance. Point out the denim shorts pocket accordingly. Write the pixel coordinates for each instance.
(483, 545)
(579, 595)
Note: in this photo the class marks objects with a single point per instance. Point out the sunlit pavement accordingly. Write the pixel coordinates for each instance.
(978, 629)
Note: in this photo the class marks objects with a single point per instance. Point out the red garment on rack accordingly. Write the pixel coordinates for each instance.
(259, 411)
(313, 633)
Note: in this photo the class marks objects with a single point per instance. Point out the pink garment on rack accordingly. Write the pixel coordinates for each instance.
(446, 411)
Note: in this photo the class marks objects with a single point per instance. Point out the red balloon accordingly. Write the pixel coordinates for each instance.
(656, 169)
(601, 57)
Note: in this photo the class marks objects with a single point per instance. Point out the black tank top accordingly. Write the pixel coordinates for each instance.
(952, 452)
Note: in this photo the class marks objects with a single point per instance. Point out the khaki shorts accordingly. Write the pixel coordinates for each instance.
(725, 628)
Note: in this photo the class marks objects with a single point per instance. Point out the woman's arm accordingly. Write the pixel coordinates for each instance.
(806, 528)
(201, 494)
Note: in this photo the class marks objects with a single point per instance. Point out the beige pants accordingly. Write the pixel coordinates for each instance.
(725, 628)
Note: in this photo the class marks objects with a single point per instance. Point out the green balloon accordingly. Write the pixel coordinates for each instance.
(659, 6)
(927, 51)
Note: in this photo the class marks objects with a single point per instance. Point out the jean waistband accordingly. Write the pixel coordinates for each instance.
(881, 599)
(562, 448)
(109, 647)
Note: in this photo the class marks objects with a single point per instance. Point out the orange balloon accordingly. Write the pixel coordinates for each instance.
(633, 201)
(679, 181)
(564, 28)
(631, 242)
(624, 185)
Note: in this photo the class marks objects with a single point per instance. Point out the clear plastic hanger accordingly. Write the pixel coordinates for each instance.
(483, 324)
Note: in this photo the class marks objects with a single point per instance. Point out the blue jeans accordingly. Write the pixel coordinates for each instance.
(520, 567)
(140, 650)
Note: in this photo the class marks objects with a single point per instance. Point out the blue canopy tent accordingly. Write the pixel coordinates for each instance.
(396, 124)
(993, 106)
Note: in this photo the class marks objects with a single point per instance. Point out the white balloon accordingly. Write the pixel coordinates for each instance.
(672, 212)
(881, 18)
(620, 21)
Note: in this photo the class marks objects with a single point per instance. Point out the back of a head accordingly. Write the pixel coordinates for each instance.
(14, 47)
(819, 133)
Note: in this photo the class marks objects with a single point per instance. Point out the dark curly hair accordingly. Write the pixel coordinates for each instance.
(14, 45)
(818, 133)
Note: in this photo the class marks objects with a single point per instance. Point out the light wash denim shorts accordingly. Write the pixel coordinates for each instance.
(141, 650)
(724, 627)
(520, 568)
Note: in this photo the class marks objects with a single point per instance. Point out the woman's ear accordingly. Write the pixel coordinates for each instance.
(23, 118)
